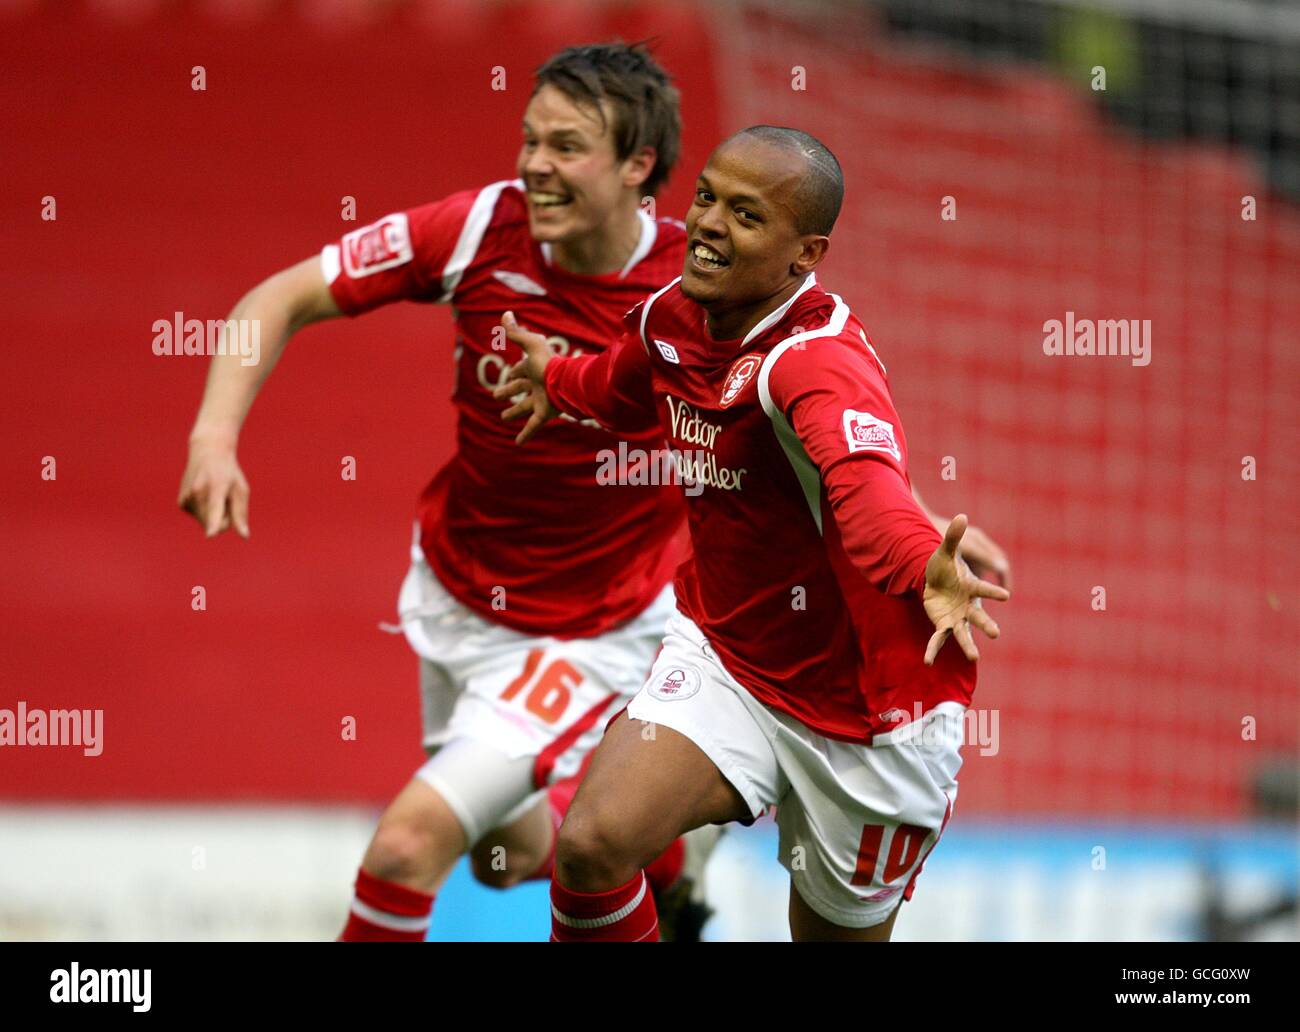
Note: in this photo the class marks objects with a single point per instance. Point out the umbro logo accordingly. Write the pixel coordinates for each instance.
(519, 283)
(668, 351)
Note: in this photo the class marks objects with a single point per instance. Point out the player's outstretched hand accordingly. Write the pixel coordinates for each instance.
(985, 556)
(214, 490)
(952, 596)
(525, 383)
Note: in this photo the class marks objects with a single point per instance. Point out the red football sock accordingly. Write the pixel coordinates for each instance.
(667, 868)
(383, 911)
(625, 914)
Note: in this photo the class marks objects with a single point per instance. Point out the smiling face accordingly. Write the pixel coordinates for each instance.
(574, 179)
(744, 246)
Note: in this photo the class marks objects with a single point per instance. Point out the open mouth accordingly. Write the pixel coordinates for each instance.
(546, 199)
(706, 257)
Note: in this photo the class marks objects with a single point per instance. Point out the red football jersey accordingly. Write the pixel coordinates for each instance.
(808, 551)
(530, 540)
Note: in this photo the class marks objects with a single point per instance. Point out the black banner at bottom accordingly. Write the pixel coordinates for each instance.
(166, 981)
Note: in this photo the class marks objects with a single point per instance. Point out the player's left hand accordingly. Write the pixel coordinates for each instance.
(952, 596)
(526, 380)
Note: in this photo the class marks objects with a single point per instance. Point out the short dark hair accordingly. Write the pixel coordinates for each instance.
(822, 193)
(645, 103)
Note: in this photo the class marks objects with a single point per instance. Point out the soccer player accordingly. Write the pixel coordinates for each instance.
(535, 599)
(805, 665)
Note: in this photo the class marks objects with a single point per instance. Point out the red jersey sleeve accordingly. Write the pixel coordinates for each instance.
(834, 398)
(402, 257)
(615, 388)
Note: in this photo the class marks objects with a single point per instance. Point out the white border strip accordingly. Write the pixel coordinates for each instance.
(471, 234)
(774, 317)
(331, 263)
(390, 921)
(645, 309)
(810, 479)
(649, 233)
(608, 919)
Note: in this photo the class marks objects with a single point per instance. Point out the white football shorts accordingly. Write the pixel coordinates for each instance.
(856, 821)
(540, 704)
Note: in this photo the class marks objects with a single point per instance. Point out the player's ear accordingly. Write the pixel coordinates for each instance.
(811, 254)
(637, 167)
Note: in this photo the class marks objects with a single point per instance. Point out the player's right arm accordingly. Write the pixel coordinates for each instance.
(404, 256)
(213, 487)
(614, 388)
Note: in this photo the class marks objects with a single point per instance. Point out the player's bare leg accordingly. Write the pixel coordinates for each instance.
(418, 841)
(524, 850)
(516, 851)
(647, 785)
(413, 850)
(806, 925)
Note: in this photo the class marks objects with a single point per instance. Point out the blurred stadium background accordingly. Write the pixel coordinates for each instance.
(1142, 778)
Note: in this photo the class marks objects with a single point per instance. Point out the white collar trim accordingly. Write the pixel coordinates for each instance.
(772, 318)
(649, 233)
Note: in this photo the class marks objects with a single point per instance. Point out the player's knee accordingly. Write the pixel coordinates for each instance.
(594, 847)
(402, 850)
(396, 851)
